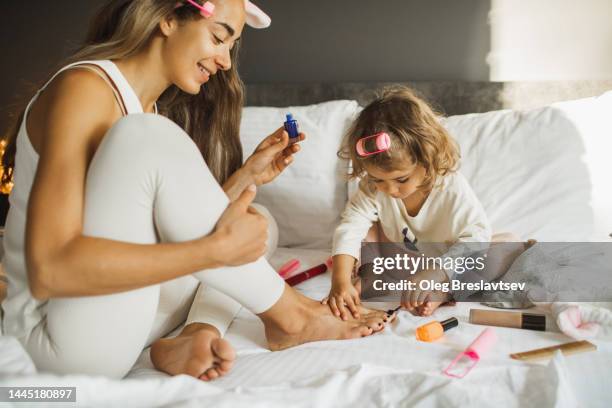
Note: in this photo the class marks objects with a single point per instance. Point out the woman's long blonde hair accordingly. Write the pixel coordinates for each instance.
(122, 28)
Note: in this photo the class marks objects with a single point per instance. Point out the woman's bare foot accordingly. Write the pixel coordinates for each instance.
(368, 313)
(198, 351)
(296, 319)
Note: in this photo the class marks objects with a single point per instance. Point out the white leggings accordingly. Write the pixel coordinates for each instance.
(147, 183)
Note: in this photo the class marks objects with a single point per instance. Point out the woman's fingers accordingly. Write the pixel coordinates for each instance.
(273, 139)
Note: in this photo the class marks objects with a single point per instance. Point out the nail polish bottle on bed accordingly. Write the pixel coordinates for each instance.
(432, 331)
(292, 128)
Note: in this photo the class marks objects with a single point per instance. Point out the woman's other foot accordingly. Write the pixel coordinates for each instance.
(198, 351)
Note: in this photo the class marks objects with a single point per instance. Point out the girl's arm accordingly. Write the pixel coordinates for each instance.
(358, 217)
(360, 214)
(61, 262)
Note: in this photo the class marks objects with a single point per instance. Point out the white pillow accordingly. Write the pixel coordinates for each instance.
(308, 198)
(542, 173)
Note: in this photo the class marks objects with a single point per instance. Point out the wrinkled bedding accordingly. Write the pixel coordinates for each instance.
(388, 369)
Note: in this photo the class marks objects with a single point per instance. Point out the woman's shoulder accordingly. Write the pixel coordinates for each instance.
(76, 103)
(80, 90)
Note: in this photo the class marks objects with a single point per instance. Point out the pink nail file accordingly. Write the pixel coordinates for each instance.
(466, 360)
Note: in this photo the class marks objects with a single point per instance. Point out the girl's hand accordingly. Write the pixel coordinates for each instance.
(272, 156)
(241, 232)
(341, 294)
(424, 302)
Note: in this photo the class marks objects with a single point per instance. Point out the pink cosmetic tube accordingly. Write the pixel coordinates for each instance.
(466, 360)
(287, 269)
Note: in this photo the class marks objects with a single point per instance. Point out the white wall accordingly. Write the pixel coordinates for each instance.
(550, 40)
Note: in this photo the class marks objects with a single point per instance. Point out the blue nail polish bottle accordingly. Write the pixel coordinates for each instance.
(292, 128)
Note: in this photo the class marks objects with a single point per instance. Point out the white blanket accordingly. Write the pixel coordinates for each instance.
(388, 369)
(362, 377)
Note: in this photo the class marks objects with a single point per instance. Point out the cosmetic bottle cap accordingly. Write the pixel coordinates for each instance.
(449, 323)
(466, 360)
(532, 321)
(289, 117)
(429, 332)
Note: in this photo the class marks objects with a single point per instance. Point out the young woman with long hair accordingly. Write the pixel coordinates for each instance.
(131, 206)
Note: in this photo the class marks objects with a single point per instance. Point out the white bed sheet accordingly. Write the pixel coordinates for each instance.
(388, 369)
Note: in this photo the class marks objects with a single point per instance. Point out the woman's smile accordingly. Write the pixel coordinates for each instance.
(204, 73)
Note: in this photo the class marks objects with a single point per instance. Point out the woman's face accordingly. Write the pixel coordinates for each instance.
(194, 50)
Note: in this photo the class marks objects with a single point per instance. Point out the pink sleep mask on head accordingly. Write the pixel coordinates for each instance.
(255, 17)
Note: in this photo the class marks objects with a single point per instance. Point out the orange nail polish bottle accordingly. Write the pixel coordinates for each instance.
(434, 330)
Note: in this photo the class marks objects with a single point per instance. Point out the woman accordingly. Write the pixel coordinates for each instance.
(116, 219)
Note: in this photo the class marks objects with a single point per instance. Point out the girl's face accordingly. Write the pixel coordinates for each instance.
(400, 183)
(194, 50)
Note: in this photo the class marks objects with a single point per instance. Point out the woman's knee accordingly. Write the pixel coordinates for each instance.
(147, 137)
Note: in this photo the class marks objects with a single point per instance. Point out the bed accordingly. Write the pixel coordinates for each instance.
(553, 159)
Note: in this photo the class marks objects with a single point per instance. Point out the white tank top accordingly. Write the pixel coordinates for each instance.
(21, 311)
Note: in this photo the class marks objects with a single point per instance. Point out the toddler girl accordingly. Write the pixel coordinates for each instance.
(411, 189)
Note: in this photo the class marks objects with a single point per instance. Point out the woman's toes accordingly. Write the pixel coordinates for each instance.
(222, 372)
(223, 350)
(212, 373)
(225, 366)
(359, 331)
(366, 331)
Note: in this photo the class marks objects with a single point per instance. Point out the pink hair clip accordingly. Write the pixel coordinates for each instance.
(206, 10)
(369, 145)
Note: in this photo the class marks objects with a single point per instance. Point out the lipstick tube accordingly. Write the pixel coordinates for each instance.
(432, 331)
(310, 273)
(514, 320)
